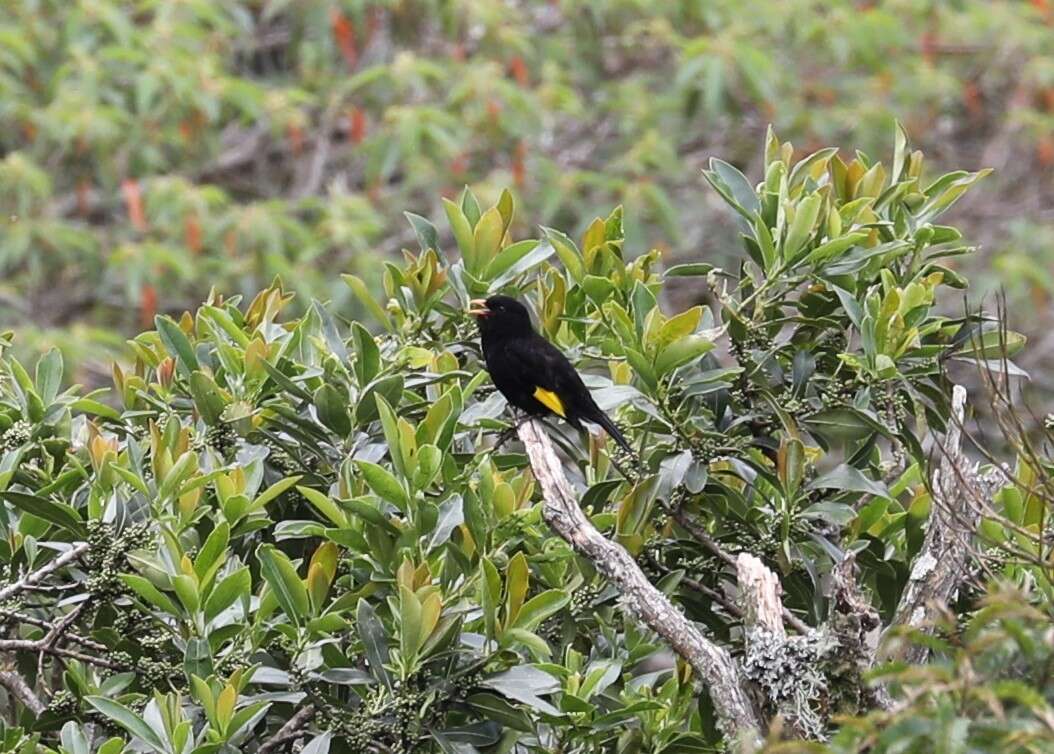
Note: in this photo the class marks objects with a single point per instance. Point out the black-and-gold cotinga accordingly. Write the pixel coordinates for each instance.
(531, 372)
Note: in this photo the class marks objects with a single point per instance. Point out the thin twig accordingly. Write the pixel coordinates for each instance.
(700, 535)
(31, 579)
(70, 636)
(26, 645)
(289, 731)
(55, 634)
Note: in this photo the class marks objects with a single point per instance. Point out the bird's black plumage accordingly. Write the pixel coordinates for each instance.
(531, 372)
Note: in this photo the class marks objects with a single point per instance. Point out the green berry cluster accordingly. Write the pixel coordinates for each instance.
(157, 673)
(893, 405)
(63, 703)
(107, 556)
(837, 393)
(280, 460)
(7, 609)
(223, 439)
(138, 431)
(552, 629)
(650, 561)
(792, 404)
(396, 719)
(740, 536)
(17, 435)
(582, 600)
(122, 658)
(235, 659)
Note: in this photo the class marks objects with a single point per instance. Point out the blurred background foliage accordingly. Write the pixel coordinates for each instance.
(152, 150)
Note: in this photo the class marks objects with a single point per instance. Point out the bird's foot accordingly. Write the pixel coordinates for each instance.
(518, 420)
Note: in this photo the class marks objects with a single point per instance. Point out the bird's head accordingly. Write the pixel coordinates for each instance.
(501, 315)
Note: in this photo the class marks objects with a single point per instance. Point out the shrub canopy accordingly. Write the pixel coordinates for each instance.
(273, 517)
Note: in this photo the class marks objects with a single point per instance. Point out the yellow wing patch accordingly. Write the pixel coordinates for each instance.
(550, 400)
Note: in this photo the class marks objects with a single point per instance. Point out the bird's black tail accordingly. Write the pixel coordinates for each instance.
(599, 417)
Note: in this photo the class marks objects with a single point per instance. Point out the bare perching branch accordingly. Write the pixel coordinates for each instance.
(639, 598)
(941, 564)
(760, 590)
(21, 691)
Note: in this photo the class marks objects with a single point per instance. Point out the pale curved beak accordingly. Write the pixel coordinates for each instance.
(477, 307)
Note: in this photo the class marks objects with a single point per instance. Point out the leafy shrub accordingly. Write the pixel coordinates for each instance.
(989, 691)
(151, 151)
(276, 524)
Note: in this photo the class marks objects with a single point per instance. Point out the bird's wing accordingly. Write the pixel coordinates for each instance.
(555, 382)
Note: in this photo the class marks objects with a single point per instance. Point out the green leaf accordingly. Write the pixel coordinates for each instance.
(114, 745)
(207, 397)
(325, 506)
(197, 659)
(128, 720)
(427, 237)
(176, 343)
(49, 375)
(274, 491)
(524, 684)
(489, 595)
(690, 269)
(462, 230)
(73, 739)
(236, 585)
(568, 253)
(517, 576)
(540, 607)
(367, 355)
(281, 576)
(388, 388)
(362, 293)
(993, 344)
(247, 713)
(487, 239)
(945, 191)
(150, 593)
(451, 516)
(384, 484)
(517, 259)
(737, 184)
(834, 248)
(429, 459)
(847, 478)
(493, 707)
(681, 352)
(802, 170)
(333, 409)
(409, 624)
(374, 641)
(213, 548)
(808, 210)
(844, 423)
(59, 514)
(187, 591)
(89, 406)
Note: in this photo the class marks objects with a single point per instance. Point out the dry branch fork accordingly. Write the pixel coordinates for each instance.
(727, 686)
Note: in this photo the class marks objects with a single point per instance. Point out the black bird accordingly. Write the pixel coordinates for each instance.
(530, 371)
